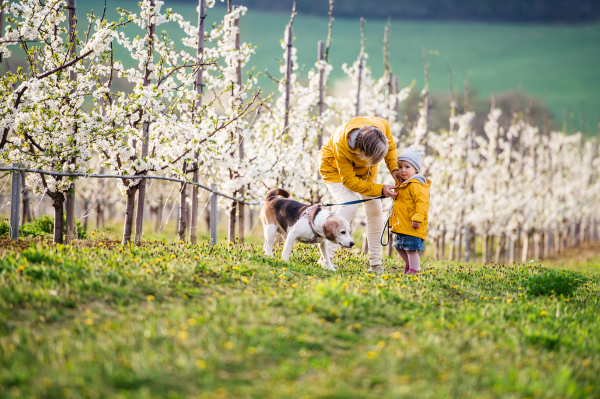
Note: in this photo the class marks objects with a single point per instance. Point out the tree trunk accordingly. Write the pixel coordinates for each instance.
(537, 238)
(139, 218)
(27, 217)
(58, 201)
(525, 246)
(443, 244)
(452, 246)
(129, 209)
(499, 249)
(98, 215)
(232, 217)
(511, 249)
(484, 252)
(459, 252)
(70, 203)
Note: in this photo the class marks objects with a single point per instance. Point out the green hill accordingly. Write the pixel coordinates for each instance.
(558, 64)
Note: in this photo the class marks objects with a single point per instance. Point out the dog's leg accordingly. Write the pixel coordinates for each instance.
(328, 263)
(289, 244)
(270, 239)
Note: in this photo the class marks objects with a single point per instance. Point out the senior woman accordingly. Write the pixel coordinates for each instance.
(348, 165)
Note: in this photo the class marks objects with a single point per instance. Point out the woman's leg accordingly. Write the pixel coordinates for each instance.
(414, 260)
(342, 194)
(375, 222)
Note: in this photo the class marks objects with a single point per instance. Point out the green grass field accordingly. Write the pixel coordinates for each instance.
(558, 64)
(171, 320)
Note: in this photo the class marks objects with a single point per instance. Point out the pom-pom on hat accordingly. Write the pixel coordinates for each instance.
(412, 156)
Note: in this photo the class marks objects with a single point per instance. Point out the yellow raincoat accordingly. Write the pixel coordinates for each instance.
(338, 163)
(411, 205)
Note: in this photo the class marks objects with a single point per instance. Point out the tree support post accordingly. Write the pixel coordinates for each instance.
(15, 204)
(213, 215)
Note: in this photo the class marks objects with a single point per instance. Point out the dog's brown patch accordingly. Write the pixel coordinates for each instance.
(329, 228)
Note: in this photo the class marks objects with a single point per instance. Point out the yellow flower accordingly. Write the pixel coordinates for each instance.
(201, 364)
(371, 355)
(89, 322)
(543, 313)
(229, 345)
(252, 350)
(183, 334)
(396, 335)
(381, 344)
(403, 286)
(150, 297)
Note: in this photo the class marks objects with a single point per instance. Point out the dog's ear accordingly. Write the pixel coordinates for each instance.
(329, 228)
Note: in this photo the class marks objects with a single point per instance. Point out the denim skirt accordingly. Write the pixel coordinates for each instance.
(407, 243)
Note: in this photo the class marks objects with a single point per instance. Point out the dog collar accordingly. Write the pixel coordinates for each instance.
(310, 215)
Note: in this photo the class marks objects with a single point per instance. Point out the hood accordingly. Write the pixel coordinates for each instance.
(418, 178)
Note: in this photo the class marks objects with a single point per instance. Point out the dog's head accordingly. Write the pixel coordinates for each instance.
(337, 230)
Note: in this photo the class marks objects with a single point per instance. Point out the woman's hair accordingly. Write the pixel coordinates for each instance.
(372, 143)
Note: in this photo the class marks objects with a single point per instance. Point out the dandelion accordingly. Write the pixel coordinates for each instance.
(396, 335)
(201, 364)
(543, 313)
(371, 355)
(150, 298)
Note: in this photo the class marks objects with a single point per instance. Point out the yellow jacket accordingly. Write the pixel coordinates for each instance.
(338, 163)
(411, 205)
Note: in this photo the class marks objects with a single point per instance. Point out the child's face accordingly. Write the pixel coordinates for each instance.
(406, 170)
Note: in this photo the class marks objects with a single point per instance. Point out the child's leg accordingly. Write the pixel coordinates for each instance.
(414, 260)
(403, 255)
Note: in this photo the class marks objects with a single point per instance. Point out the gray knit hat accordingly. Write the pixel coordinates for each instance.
(412, 156)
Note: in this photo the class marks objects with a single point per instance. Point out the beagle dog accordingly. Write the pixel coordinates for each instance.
(284, 218)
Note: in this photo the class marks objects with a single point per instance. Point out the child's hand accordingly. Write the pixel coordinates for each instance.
(416, 225)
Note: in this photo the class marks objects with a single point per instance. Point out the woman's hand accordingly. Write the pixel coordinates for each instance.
(388, 191)
(416, 225)
(396, 176)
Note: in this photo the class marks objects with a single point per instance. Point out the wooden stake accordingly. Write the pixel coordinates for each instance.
(139, 219)
(199, 88)
(321, 56)
(241, 205)
(15, 204)
(360, 65)
(71, 234)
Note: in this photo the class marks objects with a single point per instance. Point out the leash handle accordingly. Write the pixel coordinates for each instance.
(386, 227)
(354, 202)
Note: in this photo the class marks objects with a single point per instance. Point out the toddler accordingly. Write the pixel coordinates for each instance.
(409, 216)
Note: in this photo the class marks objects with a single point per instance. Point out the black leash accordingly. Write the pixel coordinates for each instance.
(353, 202)
(387, 220)
(386, 228)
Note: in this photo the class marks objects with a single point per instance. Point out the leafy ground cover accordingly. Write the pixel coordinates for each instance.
(171, 320)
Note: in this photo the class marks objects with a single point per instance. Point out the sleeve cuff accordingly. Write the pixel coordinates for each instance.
(417, 217)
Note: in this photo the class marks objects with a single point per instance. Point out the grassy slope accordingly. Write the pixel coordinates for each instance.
(177, 321)
(556, 63)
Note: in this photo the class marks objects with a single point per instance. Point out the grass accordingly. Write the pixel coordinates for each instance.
(171, 320)
(556, 63)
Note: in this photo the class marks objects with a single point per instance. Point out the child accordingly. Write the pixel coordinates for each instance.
(409, 217)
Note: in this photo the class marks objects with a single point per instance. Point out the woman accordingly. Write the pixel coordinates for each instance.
(348, 165)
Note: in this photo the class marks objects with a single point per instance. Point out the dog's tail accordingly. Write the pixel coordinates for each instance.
(274, 192)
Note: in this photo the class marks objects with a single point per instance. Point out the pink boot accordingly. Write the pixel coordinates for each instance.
(412, 272)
